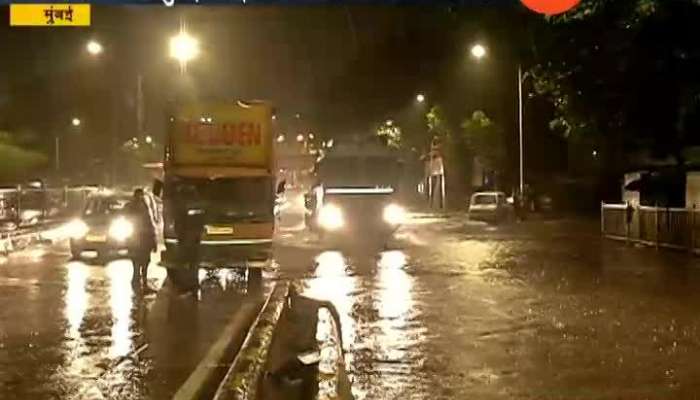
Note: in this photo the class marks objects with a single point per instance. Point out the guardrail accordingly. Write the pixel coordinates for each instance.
(15, 239)
(294, 338)
(671, 227)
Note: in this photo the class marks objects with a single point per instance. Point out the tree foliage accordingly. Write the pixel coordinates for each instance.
(437, 123)
(16, 159)
(391, 134)
(484, 139)
(624, 69)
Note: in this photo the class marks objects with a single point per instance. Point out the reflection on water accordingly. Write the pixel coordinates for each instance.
(332, 283)
(120, 302)
(76, 303)
(76, 297)
(395, 303)
(378, 313)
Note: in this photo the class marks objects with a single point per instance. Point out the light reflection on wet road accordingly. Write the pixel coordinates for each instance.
(545, 309)
(450, 310)
(72, 330)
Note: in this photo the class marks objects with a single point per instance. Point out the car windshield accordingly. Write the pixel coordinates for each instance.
(370, 171)
(241, 193)
(105, 206)
(485, 199)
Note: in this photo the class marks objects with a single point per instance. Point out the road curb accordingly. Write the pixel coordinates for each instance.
(204, 375)
(241, 380)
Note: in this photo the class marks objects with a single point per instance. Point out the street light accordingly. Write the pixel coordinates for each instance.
(478, 51)
(149, 139)
(94, 48)
(75, 121)
(300, 138)
(184, 48)
(280, 138)
(420, 97)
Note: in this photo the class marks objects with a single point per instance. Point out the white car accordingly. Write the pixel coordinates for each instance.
(489, 206)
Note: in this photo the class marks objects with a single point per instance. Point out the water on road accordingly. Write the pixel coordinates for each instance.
(545, 309)
(72, 330)
(449, 309)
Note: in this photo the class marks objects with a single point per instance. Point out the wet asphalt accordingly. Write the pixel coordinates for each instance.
(448, 309)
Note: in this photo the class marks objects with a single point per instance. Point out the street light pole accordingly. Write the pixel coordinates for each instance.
(520, 123)
(478, 52)
(58, 153)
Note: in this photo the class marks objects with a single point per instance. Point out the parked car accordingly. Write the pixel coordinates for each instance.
(489, 207)
(102, 226)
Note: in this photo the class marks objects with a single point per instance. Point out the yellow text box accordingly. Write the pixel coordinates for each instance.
(50, 14)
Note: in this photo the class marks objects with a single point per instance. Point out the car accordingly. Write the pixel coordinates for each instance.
(102, 227)
(489, 207)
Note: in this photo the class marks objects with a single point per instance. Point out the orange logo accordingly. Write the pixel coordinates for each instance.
(550, 7)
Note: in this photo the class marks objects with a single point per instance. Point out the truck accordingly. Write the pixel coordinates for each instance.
(356, 193)
(218, 188)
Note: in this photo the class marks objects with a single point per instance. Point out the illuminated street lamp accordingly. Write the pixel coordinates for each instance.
(75, 122)
(478, 51)
(300, 138)
(149, 139)
(94, 48)
(184, 48)
(420, 97)
(280, 138)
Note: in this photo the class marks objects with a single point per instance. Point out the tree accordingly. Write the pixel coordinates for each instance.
(484, 140)
(437, 123)
(625, 70)
(391, 134)
(15, 159)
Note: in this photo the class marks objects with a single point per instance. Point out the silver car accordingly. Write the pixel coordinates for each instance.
(489, 207)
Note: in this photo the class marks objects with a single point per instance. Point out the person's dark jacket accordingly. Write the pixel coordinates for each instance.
(143, 239)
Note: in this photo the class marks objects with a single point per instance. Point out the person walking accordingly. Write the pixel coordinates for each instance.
(143, 240)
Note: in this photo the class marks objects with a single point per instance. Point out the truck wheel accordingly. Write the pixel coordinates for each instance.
(183, 279)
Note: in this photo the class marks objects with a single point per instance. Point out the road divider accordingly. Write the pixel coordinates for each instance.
(18, 239)
(208, 373)
(243, 378)
(280, 347)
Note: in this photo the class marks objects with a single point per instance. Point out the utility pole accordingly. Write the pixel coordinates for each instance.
(520, 123)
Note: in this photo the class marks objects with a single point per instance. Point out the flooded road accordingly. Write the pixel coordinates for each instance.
(71, 330)
(540, 310)
(448, 310)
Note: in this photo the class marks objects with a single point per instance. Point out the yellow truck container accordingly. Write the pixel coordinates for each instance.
(218, 186)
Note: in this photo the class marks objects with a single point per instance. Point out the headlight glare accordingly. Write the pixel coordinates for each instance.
(394, 214)
(331, 217)
(121, 229)
(77, 229)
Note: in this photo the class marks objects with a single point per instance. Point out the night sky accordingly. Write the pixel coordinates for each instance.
(343, 68)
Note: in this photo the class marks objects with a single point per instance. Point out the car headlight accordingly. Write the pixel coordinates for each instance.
(121, 229)
(394, 214)
(77, 229)
(331, 217)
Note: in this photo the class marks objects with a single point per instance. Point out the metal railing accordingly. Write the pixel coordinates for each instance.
(657, 226)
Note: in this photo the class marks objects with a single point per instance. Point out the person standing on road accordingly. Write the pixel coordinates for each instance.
(189, 225)
(143, 240)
